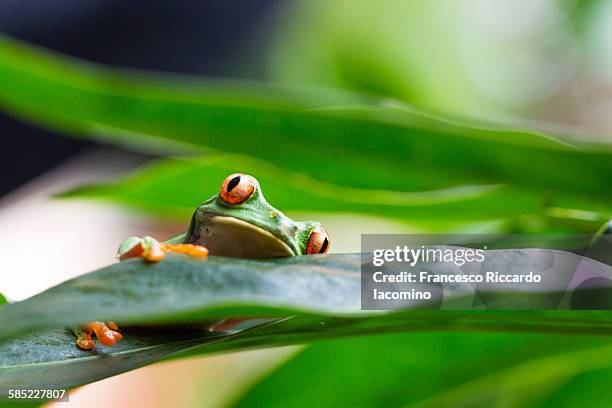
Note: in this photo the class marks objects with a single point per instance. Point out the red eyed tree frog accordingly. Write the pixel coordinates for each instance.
(236, 222)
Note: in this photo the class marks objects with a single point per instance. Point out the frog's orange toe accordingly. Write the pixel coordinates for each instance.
(147, 248)
(85, 344)
(84, 340)
(106, 336)
(109, 338)
(152, 250)
(130, 248)
(154, 253)
(197, 251)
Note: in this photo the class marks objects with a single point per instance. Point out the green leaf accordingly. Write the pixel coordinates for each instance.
(52, 358)
(165, 308)
(583, 389)
(184, 290)
(341, 138)
(2, 299)
(438, 369)
(167, 187)
(388, 48)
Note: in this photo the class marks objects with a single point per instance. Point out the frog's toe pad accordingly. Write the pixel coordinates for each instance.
(130, 248)
(147, 248)
(85, 343)
(107, 334)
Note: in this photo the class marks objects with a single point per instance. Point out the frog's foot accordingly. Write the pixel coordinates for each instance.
(84, 340)
(106, 333)
(147, 248)
(152, 250)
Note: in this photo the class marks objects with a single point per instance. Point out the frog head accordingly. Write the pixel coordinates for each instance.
(239, 222)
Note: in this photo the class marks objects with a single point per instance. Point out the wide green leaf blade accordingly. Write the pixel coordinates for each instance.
(185, 290)
(164, 310)
(34, 359)
(182, 289)
(305, 131)
(177, 186)
(435, 370)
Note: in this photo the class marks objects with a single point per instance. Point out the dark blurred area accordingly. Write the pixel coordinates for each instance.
(190, 36)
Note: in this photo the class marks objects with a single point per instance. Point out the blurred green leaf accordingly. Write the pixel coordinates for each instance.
(583, 389)
(34, 359)
(343, 139)
(437, 370)
(402, 49)
(580, 13)
(178, 186)
(2, 299)
(464, 58)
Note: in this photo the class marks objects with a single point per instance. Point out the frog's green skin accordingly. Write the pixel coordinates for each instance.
(251, 229)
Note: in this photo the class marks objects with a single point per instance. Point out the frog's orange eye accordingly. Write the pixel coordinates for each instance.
(318, 243)
(237, 188)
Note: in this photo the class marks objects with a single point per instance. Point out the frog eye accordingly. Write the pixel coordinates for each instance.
(236, 188)
(318, 242)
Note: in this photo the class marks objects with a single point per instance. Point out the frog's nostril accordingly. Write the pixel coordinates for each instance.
(233, 183)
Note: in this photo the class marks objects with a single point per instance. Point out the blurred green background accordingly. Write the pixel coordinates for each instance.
(535, 63)
(458, 116)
